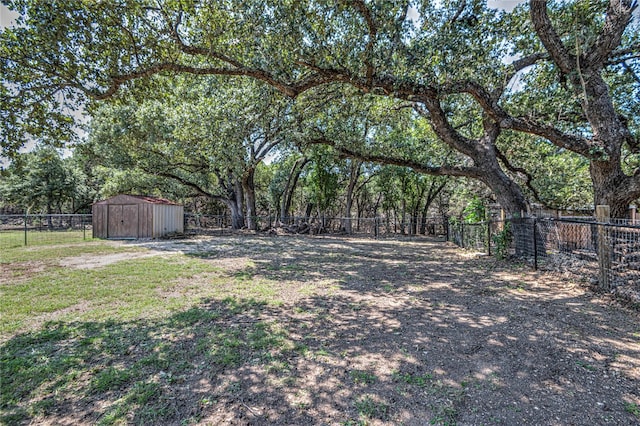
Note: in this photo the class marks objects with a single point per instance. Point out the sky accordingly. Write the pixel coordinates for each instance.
(6, 16)
(507, 5)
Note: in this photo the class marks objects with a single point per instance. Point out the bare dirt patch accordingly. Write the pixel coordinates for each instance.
(101, 260)
(435, 334)
(10, 271)
(364, 332)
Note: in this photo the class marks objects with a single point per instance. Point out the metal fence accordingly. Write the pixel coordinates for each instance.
(22, 230)
(377, 227)
(606, 254)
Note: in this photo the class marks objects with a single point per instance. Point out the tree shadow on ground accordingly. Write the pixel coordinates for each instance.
(413, 334)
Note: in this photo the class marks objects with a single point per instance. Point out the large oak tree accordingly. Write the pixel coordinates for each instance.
(446, 58)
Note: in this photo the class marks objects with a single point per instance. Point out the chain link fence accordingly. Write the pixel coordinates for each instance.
(40, 229)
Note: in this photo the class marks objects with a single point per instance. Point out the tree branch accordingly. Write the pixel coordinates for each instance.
(118, 80)
(514, 169)
(473, 172)
(547, 34)
(618, 15)
(573, 143)
(445, 131)
(364, 11)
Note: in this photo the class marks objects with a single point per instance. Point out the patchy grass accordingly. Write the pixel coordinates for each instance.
(420, 380)
(14, 239)
(632, 408)
(44, 253)
(304, 331)
(125, 290)
(136, 366)
(370, 408)
(362, 377)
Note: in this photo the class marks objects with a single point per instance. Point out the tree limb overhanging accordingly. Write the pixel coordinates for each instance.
(459, 171)
(158, 40)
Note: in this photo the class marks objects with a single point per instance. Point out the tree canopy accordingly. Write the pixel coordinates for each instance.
(565, 72)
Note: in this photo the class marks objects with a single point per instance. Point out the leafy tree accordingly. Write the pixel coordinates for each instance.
(448, 61)
(476, 211)
(40, 182)
(212, 145)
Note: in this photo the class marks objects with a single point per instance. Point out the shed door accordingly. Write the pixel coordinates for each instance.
(123, 221)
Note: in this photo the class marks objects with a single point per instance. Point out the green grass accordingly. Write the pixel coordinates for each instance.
(420, 380)
(131, 370)
(125, 335)
(124, 290)
(13, 239)
(369, 408)
(43, 253)
(632, 408)
(362, 377)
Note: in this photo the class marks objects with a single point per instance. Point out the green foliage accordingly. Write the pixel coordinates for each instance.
(355, 70)
(476, 211)
(362, 377)
(559, 178)
(422, 380)
(502, 241)
(632, 408)
(42, 181)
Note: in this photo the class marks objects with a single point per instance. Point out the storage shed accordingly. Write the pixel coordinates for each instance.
(136, 216)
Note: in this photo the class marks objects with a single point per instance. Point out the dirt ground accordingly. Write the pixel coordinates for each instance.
(394, 332)
(421, 332)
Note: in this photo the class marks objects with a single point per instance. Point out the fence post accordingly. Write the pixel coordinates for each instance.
(603, 215)
(462, 235)
(489, 237)
(535, 244)
(446, 228)
(25, 228)
(84, 232)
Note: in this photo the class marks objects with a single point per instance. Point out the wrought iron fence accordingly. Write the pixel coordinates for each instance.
(38, 229)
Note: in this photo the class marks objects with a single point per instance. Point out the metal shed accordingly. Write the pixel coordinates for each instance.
(136, 216)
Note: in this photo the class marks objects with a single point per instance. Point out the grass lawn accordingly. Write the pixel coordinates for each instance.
(14, 239)
(258, 330)
(59, 325)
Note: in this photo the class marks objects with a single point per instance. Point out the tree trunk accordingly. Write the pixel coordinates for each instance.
(354, 175)
(508, 194)
(236, 214)
(403, 217)
(307, 212)
(609, 188)
(249, 191)
(289, 189)
(610, 129)
(610, 184)
(434, 190)
(235, 205)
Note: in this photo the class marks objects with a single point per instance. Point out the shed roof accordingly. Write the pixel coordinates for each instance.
(140, 199)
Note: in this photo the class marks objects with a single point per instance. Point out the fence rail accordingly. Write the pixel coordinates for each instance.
(608, 254)
(365, 227)
(37, 229)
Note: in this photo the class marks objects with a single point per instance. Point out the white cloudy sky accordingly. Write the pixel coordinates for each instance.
(6, 16)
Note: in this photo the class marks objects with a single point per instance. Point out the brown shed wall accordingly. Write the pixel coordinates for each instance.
(125, 216)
